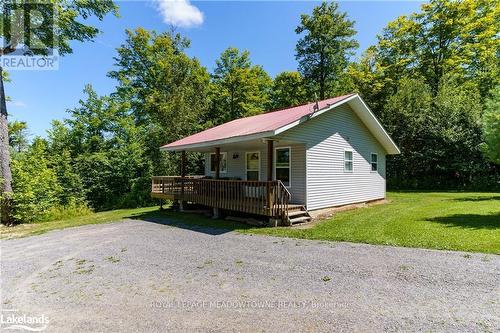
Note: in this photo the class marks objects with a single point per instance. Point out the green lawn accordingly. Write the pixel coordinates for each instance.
(147, 214)
(29, 229)
(452, 221)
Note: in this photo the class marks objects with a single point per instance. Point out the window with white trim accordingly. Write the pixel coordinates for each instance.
(252, 161)
(348, 159)
(282, 165)
(223, 162)
(374, 161)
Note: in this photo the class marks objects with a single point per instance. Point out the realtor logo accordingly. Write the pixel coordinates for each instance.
(28, 38)
(10, 319)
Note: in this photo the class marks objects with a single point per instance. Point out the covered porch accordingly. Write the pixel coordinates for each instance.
(252, 177)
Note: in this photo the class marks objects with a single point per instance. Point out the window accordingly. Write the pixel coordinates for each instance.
(374, 161)
(347, 160)
(223, 162)
(252, 161)
(282, 165)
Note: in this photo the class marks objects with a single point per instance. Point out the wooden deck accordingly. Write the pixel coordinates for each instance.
(268, 198)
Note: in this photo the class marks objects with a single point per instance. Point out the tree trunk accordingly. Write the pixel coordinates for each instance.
(5, 174)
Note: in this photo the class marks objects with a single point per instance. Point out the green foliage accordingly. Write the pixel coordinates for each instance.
(426, 80)
(161, 83)
(57, 213)
(239, 89)
(67, 26)
(439, 136)
(366, 78)
(108, 152)
(288, 90)
(73, 193)
(445, 37)
(18, 135)
(35, 185)
(323, 51)
(491, 126)
(166, 93)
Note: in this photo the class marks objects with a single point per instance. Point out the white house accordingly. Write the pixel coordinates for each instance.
(283, 163)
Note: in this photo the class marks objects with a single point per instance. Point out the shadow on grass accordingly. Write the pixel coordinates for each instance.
(473, 221)
(190, 221)
(479, 198)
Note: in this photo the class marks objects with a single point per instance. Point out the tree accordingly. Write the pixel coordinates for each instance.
(36, 189)
(239, 89)
(491, 127)
(445, 37)
(366, 78)
(99, 154)
(439, 136)
(161, 83)
(166, 91)
(288, 90)
(67, 26)
(408, 118)
(18, 135)
(91, 122)
(323, 52)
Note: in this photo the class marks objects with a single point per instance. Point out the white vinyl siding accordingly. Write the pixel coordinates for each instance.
(327, 137)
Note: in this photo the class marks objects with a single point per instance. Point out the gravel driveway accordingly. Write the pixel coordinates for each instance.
(146, 276)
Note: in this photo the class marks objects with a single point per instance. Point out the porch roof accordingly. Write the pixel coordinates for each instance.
(269, 124)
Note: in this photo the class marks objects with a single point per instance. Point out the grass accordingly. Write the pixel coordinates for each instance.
(448, 221)
(464, 221)
(29, 229)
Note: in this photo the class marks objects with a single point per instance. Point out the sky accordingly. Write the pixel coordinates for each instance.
(265, 28)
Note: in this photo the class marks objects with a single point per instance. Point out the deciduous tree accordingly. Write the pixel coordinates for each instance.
(67, 26)
(491, 126)
(239, 88)
(445, 37)
(324, 49)
(288, 90)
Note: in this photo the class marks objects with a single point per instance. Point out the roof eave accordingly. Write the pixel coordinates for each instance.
(214, 143)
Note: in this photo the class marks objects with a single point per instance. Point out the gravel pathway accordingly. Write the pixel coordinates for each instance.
(144, 276)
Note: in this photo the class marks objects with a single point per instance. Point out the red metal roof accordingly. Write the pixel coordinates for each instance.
(261, 123)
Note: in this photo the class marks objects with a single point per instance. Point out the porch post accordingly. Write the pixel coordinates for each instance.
(183, 163)
(270, 162)
(183, 174)
(217, 163)
(216, 213)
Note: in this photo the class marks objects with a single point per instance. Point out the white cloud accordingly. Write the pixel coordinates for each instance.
(180, 13)
(17, 104)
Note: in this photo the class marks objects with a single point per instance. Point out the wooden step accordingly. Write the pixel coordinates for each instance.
(300, 219)
(293, 208)
(296, 213)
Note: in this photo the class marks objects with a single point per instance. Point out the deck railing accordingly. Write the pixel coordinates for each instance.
(269, 198)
